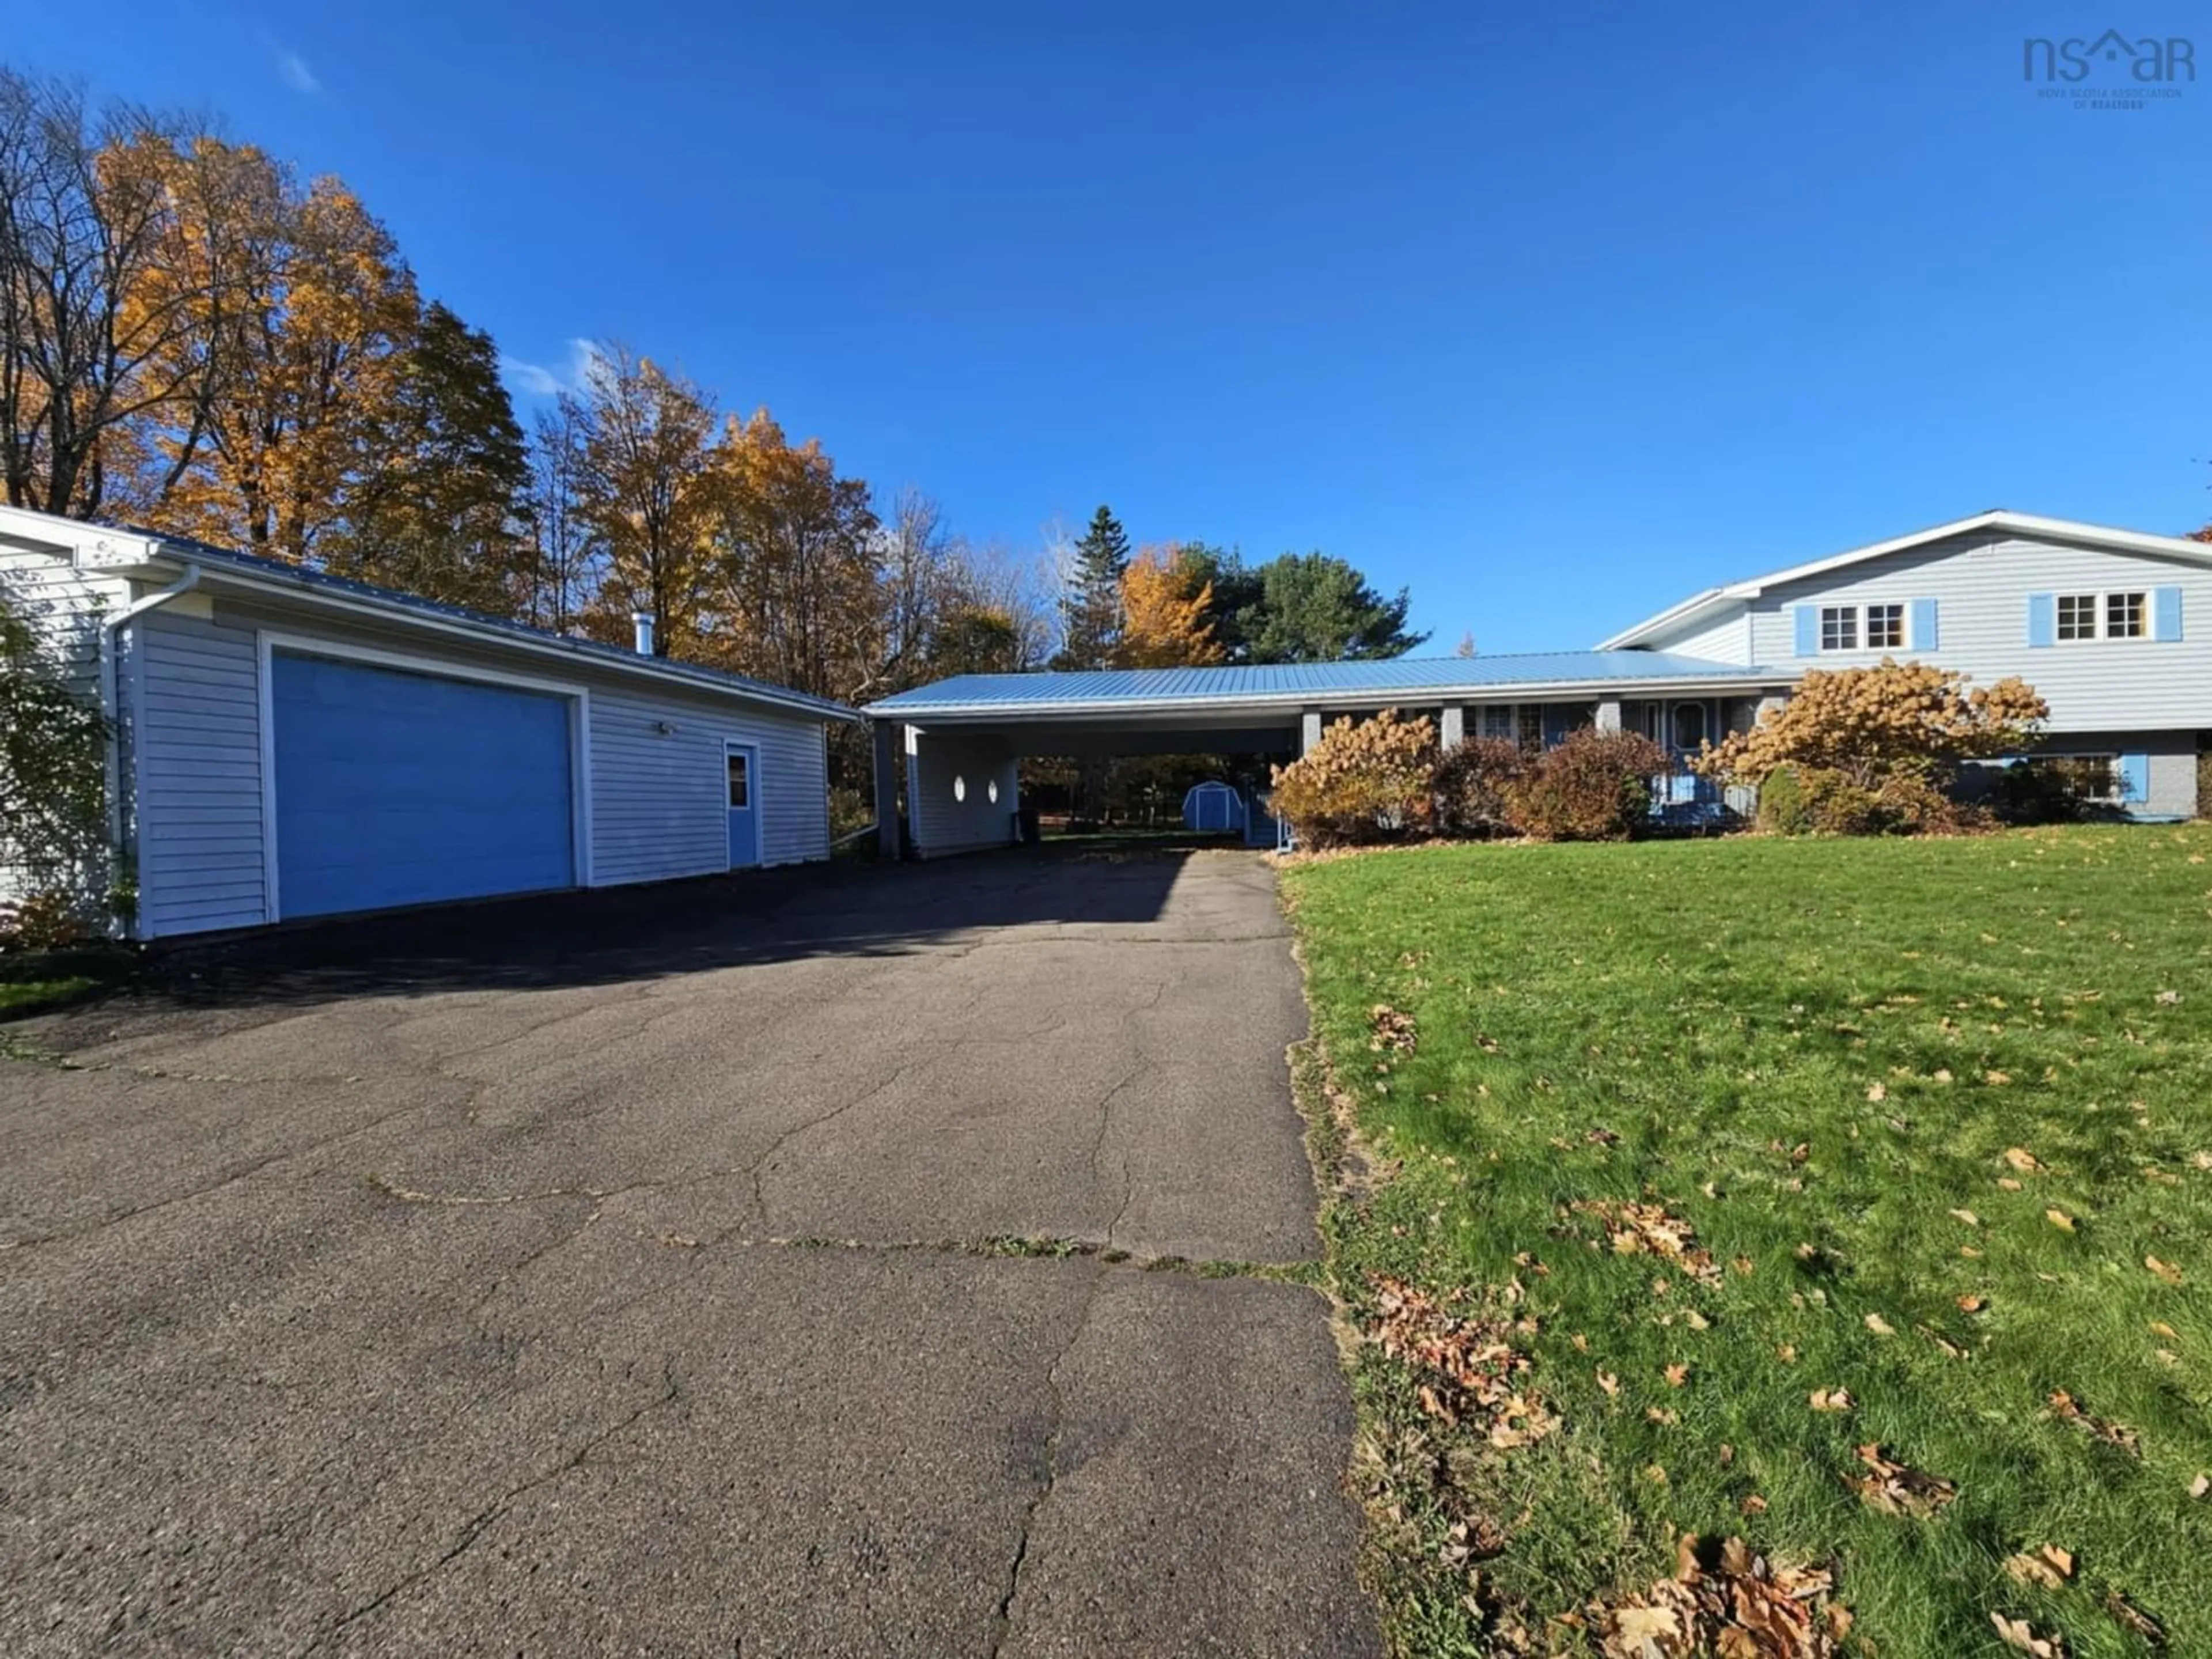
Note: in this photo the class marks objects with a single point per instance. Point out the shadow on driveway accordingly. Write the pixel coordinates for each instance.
(616, 935)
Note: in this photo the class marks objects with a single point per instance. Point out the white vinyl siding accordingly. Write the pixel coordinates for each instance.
(196, 708)
(64, 607)
(1982, 583)
(660, 802)
(1724, 638)
(949, 780)
(656, 800)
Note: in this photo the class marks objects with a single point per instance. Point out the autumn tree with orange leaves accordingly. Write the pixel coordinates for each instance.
(1166, 613)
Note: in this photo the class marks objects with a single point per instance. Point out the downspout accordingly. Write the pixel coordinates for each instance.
(111, 628)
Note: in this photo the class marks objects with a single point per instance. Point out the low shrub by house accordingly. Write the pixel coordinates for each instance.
(1382, 780)
(1593, 786)
(1474, 782)
(1875, 750)
(1364, 782)
(2054, 789)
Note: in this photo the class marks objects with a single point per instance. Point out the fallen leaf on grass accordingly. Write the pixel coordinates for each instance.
(1635, 1229)
(1895, 1488)
(2200, 1485)
(2008, 1183)
(1389, 1031)
(2060, 1219)
(1831, 1400)
(1743, 1606)
(1471, 1374)
(1677, 1375)
(2023, 1160)
(2134, 1618)
(2017, 1633)
(1880, 1326)
(1609, 1382)
(1877, 1092)
(2049, 1566)
(2165, 1270)
(1966, 1216)
(2067, 1409)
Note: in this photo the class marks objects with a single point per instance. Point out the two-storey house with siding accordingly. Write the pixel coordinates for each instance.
(2097, 619)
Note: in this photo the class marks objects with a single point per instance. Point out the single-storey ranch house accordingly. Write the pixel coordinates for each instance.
(291, 745)
(2096, 619)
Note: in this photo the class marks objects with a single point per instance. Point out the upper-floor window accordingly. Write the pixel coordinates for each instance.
(1839, 628)
(2124, 615)
(1885, 627)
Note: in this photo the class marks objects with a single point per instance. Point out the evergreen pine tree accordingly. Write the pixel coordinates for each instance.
(1091, 610)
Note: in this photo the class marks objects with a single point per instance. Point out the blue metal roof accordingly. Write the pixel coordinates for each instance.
(186, 548)
(1135, 688)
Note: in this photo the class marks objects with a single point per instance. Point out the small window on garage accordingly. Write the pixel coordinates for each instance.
(741, 791)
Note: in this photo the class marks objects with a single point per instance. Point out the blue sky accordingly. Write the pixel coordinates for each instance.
(1552, 313)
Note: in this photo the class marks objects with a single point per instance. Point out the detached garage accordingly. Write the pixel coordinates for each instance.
(291, 745)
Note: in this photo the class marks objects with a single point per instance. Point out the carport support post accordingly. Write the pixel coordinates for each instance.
(1308, 731)
(1608, 715)
(885, 734)
(1451, 726)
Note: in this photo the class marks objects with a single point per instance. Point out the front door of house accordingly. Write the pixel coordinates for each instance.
(742, 763)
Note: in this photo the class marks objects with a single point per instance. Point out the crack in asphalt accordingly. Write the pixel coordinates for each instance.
(760, 1165)
(477, 1524)
(1002, 1621)
(248, 1173)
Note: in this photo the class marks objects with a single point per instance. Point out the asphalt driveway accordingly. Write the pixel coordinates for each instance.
(632, 1274)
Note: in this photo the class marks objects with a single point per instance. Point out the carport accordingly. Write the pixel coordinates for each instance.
(963, 738)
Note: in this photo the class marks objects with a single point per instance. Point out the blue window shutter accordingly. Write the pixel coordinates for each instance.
(1809, 629)
(1924, 625)
(2166, 613)
(2135, 779)
(2042, 619)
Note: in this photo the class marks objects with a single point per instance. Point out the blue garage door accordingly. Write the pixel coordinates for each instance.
(398, 788)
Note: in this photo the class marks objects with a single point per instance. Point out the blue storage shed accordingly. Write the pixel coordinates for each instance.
(1213, 809)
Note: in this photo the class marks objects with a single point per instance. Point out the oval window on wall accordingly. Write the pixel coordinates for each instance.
(992, 790)
(959, 788)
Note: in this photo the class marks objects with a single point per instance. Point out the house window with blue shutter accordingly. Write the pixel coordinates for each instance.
(2166, 614)
(1806, 620)
(1924, 625)
(1885, 627)
(2132, 780)
(2042, 619)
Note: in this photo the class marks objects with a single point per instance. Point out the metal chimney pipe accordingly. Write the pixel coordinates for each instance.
(643, 619)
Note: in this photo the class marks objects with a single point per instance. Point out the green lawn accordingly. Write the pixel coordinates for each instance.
(1925, 1108)
(39, 980)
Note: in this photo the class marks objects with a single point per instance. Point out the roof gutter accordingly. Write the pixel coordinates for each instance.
(111, 629)
(1377, 697)
(657, 669)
